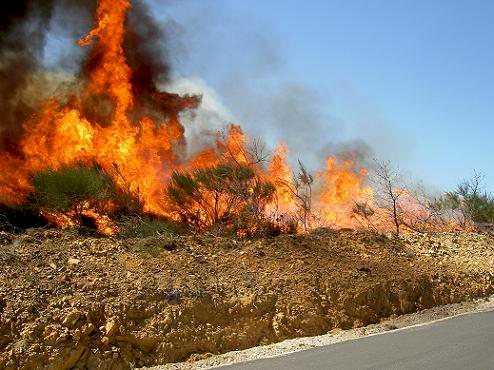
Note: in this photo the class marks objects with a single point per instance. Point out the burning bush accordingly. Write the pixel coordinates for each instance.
(230, 195)
(78, 194)
(115, 116)
(71, 189)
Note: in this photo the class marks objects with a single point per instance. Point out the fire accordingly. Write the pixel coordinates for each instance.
(112, 74)
(334, 192)
(280, 174)
(143, 153)
(341, 186)
(103, 224)
(98, 126)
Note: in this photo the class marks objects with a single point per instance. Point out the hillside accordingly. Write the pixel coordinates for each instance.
(68, 300)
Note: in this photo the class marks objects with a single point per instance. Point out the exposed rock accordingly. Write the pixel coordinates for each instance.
(71, 319)
(146, 344)
(67, 359)
(111, 328)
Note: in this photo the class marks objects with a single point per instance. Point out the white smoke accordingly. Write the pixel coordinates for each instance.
(211, 116)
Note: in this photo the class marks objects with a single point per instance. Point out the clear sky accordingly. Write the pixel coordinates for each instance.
(414, 79)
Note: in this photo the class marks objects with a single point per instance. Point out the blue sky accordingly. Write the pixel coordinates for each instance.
(414, 79)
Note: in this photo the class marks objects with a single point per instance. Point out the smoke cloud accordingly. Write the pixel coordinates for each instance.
(248, 72)
(24, 26)
(201, 123)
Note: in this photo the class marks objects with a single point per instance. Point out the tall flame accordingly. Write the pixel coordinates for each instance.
(141, 154)
(341, 186)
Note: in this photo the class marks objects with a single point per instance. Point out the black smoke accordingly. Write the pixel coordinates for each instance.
(22, 38)
(146, 50)
(24, 26)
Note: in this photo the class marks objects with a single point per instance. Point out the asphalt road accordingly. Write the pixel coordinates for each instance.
(464, 342)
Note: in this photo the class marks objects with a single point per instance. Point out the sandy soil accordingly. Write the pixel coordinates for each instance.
(68, 300)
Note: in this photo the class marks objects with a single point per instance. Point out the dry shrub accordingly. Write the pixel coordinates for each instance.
(230, 197)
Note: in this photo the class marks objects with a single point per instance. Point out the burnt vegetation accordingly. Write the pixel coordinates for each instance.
(410, 207)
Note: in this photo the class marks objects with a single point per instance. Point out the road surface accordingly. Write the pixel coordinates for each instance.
(463, 342)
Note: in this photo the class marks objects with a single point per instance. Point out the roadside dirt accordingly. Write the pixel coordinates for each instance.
(101, 303)
(424, 317)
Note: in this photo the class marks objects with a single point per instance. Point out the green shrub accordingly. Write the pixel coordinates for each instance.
(71, 189)
(471, 201)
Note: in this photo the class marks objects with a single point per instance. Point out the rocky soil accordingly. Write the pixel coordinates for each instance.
(68, 301)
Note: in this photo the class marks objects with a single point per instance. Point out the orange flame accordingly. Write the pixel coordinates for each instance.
(280, 174)
(142, 154)
(341, 186)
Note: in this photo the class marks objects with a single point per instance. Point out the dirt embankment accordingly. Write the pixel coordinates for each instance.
(99, 303)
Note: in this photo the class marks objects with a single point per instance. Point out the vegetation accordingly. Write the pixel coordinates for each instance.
(398, 204)
(233, 198)
(470, 202)
(228, 195)
(126, 200)
(413, 208)
(389, 192)
(301, 188)
(363, 212)
(71, 189)
(146, 226)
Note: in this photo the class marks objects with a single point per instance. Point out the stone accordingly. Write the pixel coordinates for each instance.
(68, 359)
(105, 341)
(144, 343)
(73, 261)
(88, 329)
(55, 338)
(111, 328)
(71, 319)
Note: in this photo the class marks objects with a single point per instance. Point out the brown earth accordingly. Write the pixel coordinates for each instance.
(68, 301)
